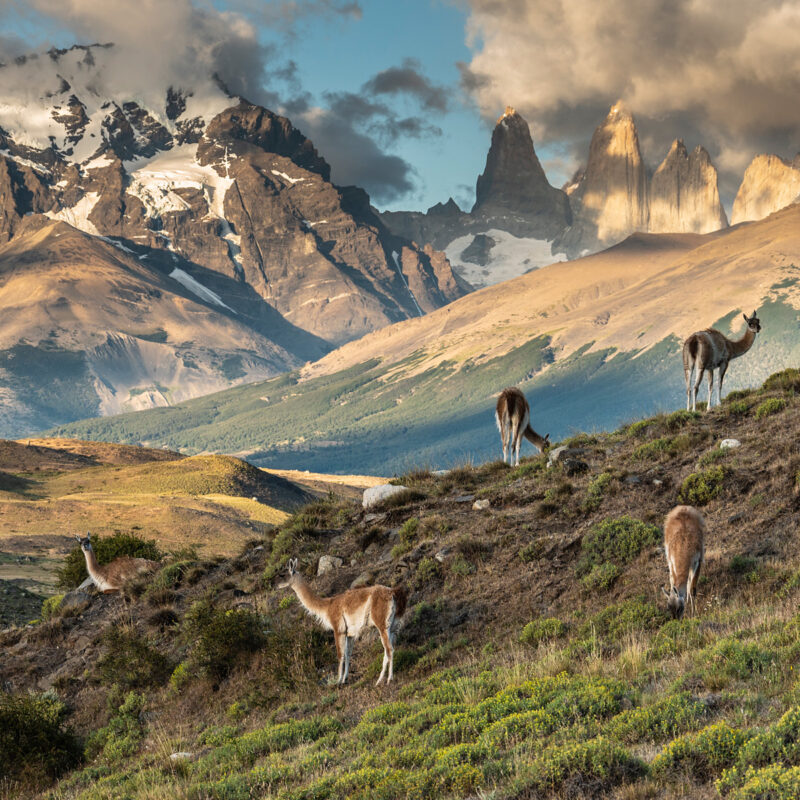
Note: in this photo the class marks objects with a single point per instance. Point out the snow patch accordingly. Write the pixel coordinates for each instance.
(197, 288)
(510, 257)
(286, 177)
(78, 215)
(396, 259)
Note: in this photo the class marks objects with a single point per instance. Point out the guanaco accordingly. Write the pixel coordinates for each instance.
(513, 417)
(113, 576)
(347, 615)
(684, 547)
(710, 350)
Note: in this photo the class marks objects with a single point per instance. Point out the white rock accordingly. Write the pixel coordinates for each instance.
(328, 564)
(376, 494)
(725, 444)
(440, 473)
(481, 505)
(181, 756)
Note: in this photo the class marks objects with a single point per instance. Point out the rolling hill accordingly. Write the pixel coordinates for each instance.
(592, 342)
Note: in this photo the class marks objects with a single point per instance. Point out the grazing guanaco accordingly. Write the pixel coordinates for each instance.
(513, 417)
(347, 615)
(710, 350)
(113, 576)
(684, 547)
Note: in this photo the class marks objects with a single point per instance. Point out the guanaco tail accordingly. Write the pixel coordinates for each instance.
(513, 421)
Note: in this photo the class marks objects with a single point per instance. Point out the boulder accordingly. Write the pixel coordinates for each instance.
(574, 466)
(560, 454)
(731, 444)
(328, 564)
(481, 505)
(74, 602)
(377, 494)
(364, 579)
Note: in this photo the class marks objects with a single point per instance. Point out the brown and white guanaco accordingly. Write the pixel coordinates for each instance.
(513, 416)
(348, 613)
(113, 576)
(684, 547)
(709, 350)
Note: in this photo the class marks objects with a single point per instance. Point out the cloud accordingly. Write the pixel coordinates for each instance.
(725, 71)
(409, 80)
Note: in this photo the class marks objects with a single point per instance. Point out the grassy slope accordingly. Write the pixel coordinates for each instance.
(53, 489)
(605, 697)
(373, 418)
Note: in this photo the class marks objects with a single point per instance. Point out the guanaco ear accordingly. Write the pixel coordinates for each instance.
(745, 318)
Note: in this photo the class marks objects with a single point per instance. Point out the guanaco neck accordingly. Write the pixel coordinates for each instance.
(741, 346)
(92, 567)
(313, 603)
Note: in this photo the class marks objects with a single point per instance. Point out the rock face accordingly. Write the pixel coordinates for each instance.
(684, 196)
(770, 183)
(513, 188)
(609, 199)
(195, 182)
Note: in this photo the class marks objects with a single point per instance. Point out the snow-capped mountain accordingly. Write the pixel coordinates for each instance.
(222, 198)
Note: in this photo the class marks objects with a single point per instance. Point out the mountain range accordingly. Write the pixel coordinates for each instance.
(207, 244)
(594, 343)
(520, 222)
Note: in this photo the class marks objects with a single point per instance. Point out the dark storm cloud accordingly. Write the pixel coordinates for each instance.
(408, 79)
(724, 71)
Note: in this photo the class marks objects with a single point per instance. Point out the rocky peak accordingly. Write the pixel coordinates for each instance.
(684, 194)
(513, 186)
(769, 184)
(610, 200)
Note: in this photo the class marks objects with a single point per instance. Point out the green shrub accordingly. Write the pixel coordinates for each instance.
(732, 658)
(700, 488)
(770, 406)
(51, 606)
(598, 763)
(131, 661)
(600, 577)
(771, 783)
(679, 419)
(596, 490)
(400, 499)
(123, 735)
(106, 548)
(658, 722)
(408, 530)
(35, 743)
(616, 540)
(222, 638)
(532, 551)
(280, 552)
(653, 450)
(787, 380)
(638, 429)
(542, 630)
(674, 637)
(737, 408)
(428, 570)
(703, 755)
(462, 567)
(742, 565)
(778, 744)
(615, 621)
(712, 456)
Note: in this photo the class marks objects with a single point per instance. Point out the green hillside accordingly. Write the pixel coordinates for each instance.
(380, 419)
(536, 659)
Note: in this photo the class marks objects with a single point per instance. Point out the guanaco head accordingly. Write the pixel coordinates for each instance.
(675, 602)
(85, 543)
(753, 322)
(294, 575)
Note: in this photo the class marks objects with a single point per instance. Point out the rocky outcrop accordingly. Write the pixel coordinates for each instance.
(684, 196)
(609, 201)
(437, 226)
(770, 183)
(513, 192)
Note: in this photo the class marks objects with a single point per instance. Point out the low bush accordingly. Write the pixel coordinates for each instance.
(769, 407)
(616, 540)
(788, 380)
(542, 630)
(703, 755)
(680, 419)
(701, 488)
(639, 428)
(428, 571)
(597, 489)
(771, 783)
(106, 548)
(653, 450)
(131, 661)
(737, 408)
(601, 577)
(615, 621)
(660, 721)
(35, 742)
(222, 638)
(123, 735)
(51, 606)
(532, 551)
